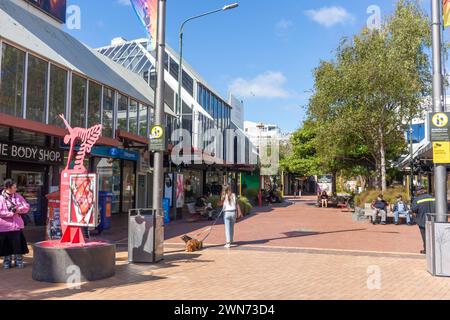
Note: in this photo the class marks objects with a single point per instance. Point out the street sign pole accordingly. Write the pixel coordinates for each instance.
(440, 170)
(158, 173)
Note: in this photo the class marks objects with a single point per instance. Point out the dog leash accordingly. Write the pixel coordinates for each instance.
(210, 228)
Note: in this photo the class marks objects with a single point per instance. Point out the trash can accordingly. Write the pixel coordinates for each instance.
(145, 236)
(166, 207)
(104, 207)
(438, 246)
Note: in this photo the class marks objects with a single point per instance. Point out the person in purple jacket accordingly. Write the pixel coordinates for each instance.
(12, 239)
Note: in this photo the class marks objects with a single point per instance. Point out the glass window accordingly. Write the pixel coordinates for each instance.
(36, 88)
(174, 68)
(108, 112)
(95, 100)
(122, 113)
(188, 83)
(11, 80)
(57, 97)
(128, 188)
(78, 109)
(143, 119)
(133, 117)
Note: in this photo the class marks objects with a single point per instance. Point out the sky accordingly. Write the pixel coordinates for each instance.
(264, 51)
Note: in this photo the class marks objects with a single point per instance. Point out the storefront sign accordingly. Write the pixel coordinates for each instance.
(157, 139)
(440, 127)
(54, 8)
(17, 152)
(441, 152)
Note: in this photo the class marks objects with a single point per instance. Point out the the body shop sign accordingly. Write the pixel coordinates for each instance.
(18, 152)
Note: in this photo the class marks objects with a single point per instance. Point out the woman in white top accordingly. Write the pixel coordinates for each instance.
(229, 214)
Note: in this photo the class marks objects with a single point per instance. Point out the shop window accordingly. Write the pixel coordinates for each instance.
(2, 173)
(108, 112)
(122, 113)
(78, 109)
(4, 133)
(133, 117)
(36, 88)
(128, 186)
(143, 120)
(57, 96)
(95, 94)
(11, 82)
(28, 138)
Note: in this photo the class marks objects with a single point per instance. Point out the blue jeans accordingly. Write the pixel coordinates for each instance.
(398, 213)
(229, 218)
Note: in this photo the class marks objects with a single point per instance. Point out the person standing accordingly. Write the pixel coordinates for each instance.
(230, 214)
(421, 206)
(12, 239)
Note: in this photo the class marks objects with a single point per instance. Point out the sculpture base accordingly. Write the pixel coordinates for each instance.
(57, 262)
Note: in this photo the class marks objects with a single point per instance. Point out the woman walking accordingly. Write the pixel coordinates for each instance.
(12, 240)
(230, 214)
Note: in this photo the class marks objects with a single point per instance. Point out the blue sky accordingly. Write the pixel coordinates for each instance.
(264, 51)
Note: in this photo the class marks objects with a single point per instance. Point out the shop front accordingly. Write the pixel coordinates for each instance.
(116, 169)
(34, 166)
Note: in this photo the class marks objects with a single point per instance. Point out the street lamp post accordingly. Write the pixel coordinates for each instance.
(440, 170)
(180, 63)
(411, 163)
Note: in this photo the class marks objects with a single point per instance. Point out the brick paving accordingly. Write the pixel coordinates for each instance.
(294, 251)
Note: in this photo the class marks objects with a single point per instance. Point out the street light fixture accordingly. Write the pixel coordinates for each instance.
(180, 63)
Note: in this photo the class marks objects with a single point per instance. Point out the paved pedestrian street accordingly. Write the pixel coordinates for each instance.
(335, 265)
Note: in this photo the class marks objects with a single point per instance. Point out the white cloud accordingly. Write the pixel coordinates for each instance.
(266, 85)
(284, 24)
(124, 2)
(330, 16)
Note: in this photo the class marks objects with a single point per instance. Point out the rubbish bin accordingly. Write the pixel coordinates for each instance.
(438, 246)
(145, 236)
(104, 207)
(166, 207)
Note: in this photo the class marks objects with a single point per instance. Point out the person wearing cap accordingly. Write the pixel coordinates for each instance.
(423, 204)
(401, 208)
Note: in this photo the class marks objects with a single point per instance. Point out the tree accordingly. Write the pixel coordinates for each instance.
(364, 99)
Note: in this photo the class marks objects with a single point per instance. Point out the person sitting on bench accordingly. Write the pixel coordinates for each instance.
(379, 206)
(324, 199)
(400, 207)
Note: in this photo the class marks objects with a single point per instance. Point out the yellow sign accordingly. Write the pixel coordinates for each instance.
(440, 120)
(441, 152)
(157, 132)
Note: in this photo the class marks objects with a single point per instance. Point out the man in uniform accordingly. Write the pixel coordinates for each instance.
(421, 206)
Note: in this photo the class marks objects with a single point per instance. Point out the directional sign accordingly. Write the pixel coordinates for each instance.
(157, 139)
(441, 152)
(440, 127)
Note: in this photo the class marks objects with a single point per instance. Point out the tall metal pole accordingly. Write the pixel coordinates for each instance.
(158, 173)
(411, 163)
(440, 171)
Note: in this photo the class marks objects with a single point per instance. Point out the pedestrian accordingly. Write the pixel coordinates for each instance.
(421, 206)
(324, 199)
(230, 214)
(379, 206)
(12, 239)
(400, 207)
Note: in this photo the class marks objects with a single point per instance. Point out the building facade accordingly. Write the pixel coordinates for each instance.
(44, 73)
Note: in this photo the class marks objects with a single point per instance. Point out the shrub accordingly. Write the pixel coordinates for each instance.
(214, 200)
(252, 195)
(245, 205)
(390, 195)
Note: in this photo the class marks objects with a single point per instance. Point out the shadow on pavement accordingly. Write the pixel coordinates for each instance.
(126, 275)
(294, 234)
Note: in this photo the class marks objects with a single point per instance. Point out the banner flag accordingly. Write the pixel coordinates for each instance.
(446, 13)
(147, 12)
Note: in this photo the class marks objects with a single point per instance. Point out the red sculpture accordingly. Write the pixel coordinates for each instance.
(87, 138)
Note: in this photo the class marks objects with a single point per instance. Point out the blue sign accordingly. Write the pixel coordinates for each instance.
(110, 152)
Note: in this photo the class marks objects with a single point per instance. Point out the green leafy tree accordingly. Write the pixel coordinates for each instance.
(364, 99)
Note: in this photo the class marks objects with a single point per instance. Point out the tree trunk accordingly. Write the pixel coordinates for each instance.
(382, 162)
(333, 184)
